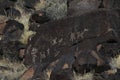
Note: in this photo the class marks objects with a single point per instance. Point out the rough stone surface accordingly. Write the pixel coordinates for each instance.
(73, 37)
(111, 4)
(78, 7)
(60, 41)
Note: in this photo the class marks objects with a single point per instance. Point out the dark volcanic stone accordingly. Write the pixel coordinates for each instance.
(71, 36)
(34, 26)
(104, 76)
(65, 74)
(6, 4)
(114, 76)
(30, 3)
(91, 25)
(38, 18)
(111, 4)
(13, 13)
(10, 44)
(86, 62)
(10, 50)
(110, 50)
(13, 30)
(78, 7)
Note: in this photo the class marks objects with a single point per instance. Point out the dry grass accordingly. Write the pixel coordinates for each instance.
(57, 11)
(15, 70)
(115, 62)
(87, 76)
(24, 19)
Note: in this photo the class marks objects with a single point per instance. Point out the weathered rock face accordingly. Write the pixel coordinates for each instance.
(82, 42)
(78, 7)
(65, 74)
(7, 9)
(30, 3)
(9, 43)
(5, 4)
(111, 4)
(56, 43)
(74, 7)
(45, 11)
(10, 50)
(11, 12)
(38, 18)
(10, 46)
(13, 30)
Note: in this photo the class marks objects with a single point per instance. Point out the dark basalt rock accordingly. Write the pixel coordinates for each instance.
(38, 18)
(72, 36)
(13, 13)
(110, 50)
(6, 4)
(34, 26)
(111, 4)
(78, 7)
(10, 44)
(65, 74)
(114, 76)
(13, 30)
(78, 28)
(88, 56)
(86, 62)
(7, 9)
(10, 50)
(30, 3)
(104, 76)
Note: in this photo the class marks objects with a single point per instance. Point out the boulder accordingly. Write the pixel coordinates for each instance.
(61, 40)
(38, 18)
(13, 30)
(110, 4)
(79, 7)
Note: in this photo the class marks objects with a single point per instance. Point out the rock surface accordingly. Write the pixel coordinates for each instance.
(74, 40)
(58, 42)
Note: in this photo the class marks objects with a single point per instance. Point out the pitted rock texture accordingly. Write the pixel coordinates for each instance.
(9, 43)
(111, 4)
(72, 37)
(57, 43)
(38, 18)
(78, 7)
